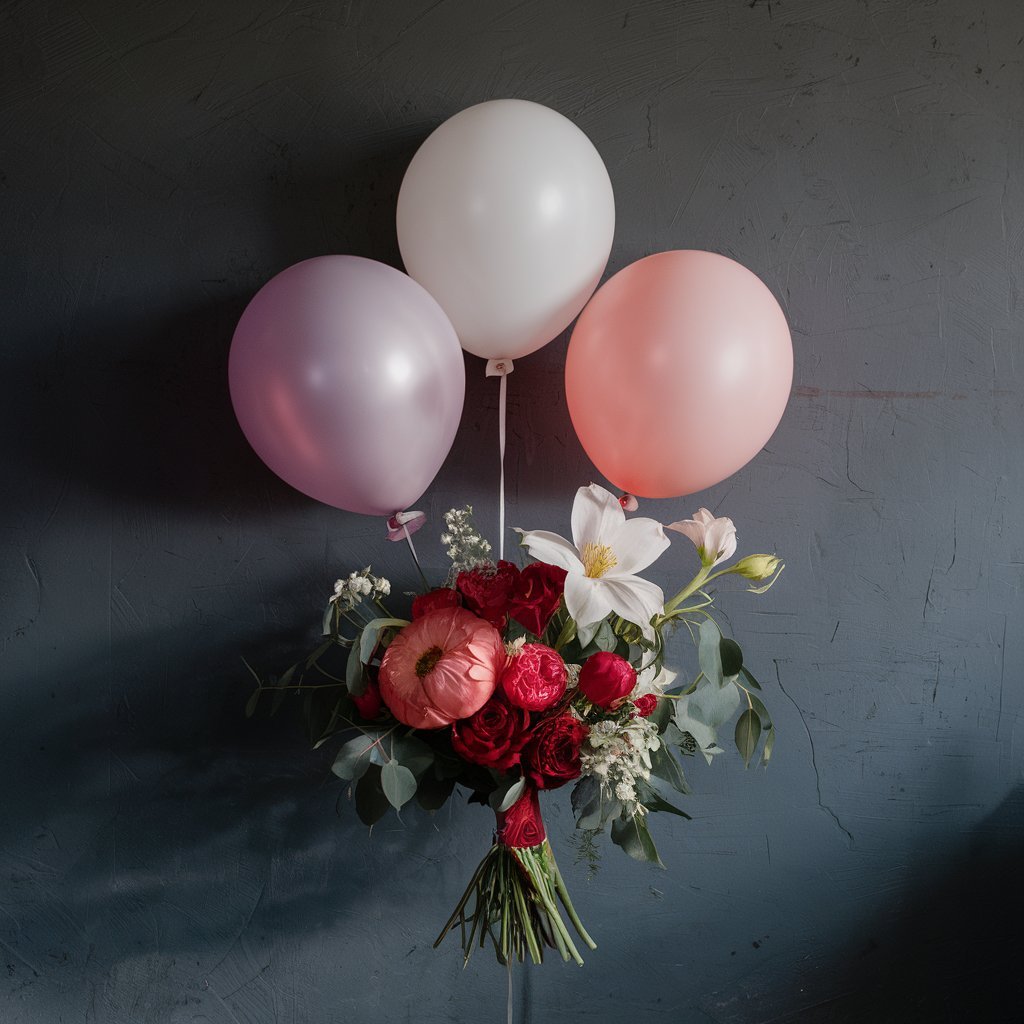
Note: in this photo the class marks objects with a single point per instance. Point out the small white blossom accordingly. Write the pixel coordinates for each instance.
(465, 547)
(619, 753)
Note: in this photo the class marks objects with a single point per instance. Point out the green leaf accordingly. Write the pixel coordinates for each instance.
(279, 695)
(433, 792)
(731, 657)
(356, 756)
(319, 653)
(371, 803)
(413, 753)
(371, 634)
(398, 783)
(766, 719)
(748, 732)
(633, 836)
(662, 714)
(705, 711)
(709, 651)
(329, 618)
(665, 766)
(769, 745)
(503, 799)
(585, 634)
(604, 639)
(355, 678)
(654, 801)
(750, 679)
(250, 704)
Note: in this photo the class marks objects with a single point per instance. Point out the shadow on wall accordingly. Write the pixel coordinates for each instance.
(138, 410)
(169, 826)
(953, 951)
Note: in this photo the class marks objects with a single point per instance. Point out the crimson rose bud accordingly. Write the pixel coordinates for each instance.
(606, 679)
(552, 757)
(369, 702)
(535, 678)
(442, 597)
(645, 705)
(487, 592)
(537, 596)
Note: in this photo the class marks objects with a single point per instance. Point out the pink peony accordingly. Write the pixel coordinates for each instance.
(442, 667)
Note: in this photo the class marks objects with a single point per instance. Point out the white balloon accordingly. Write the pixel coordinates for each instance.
(506, 216)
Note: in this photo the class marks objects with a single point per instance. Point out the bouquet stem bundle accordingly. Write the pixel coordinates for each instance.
(517, 892)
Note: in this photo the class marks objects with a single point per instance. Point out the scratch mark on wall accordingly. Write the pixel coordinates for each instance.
(814, 763)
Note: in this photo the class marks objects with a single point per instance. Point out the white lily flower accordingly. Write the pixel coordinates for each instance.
(714, 539)
(607, 551)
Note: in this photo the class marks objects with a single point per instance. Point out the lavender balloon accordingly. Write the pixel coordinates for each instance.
(348, 380)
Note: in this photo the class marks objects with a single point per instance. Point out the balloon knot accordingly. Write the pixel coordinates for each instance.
(628, 502)
(402, 523)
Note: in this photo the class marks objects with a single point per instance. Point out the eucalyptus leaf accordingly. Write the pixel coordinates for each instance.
(279, 695)
(413, 753)
(766, 719)
(355, 678)
(398, 783)
(329, 619)
(769, 745)
(748, 733)
(635, 838)
(585, 634)
(319, 653)
(665, 766)
(433, 792)
(371, 634)
(371, 802)
(709, 651)
(594, 804)
(703, 712)
(586, 802)
(749, 678)
(357, 754)
(731, 657)
(250, 704)
(654, 801)
(502, 801)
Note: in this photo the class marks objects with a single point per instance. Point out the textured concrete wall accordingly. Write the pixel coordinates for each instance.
(161, 860)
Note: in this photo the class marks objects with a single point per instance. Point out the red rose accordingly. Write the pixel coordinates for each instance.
(442, 597)
(487, 591)
(552, 757)
(606, 678)
(535, 678)
(369, 702)
(537, 596)
(645, 705)
(493, 737)
(521, 825)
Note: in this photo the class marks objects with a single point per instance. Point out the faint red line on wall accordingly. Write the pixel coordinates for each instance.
(805, 391)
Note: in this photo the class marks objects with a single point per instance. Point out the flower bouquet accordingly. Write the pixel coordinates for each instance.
(510, 682)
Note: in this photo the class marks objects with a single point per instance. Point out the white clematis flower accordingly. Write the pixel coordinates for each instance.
(607, 551)
(714, 539)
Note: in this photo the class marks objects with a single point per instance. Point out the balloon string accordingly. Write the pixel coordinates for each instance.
(508, 961)
(415, 557)
(502, 398)
(501, 368)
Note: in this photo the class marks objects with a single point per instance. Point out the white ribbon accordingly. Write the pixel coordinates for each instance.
(501, 368)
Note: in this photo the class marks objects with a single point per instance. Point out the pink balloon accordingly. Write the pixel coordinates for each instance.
(678, 372)
(348, 380)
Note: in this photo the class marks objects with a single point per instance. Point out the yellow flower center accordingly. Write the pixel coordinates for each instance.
(597, 559)
(425, 662)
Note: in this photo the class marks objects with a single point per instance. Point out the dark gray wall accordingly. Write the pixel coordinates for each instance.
(165, 861)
